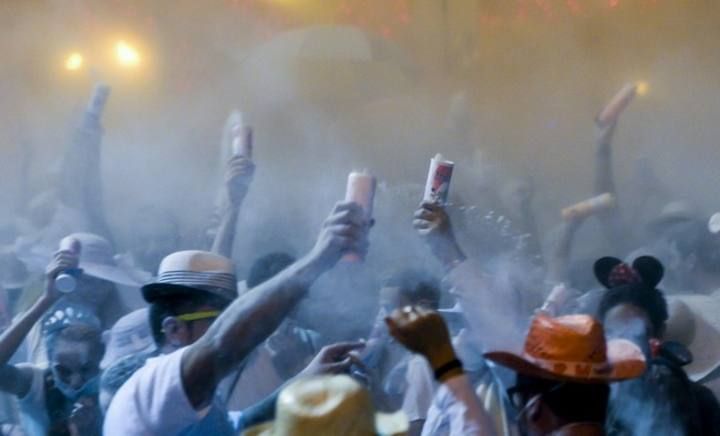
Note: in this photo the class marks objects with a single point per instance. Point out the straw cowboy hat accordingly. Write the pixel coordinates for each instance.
(328, 406)
(695, 322)
(97, 260)
(185, 272)
(573, 348)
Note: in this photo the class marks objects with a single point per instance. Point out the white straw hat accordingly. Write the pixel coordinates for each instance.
(193, 270)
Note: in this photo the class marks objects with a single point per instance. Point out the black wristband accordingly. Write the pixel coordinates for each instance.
(444, 369)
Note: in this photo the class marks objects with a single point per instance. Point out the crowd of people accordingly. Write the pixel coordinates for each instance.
(168, 340)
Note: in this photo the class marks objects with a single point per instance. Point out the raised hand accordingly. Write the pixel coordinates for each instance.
(63, 260)
(345, 230)
(433, 224)
(424, 332)
(334, 359)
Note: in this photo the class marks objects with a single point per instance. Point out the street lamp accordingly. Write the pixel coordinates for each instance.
(74, 61)
(126, 55)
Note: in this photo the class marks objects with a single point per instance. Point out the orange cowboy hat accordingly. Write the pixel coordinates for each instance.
(573, 348)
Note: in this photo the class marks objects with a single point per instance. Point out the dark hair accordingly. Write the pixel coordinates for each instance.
(415, 285)
(650, 300)
(77, 333)
(177, 304)
(266, 267)
(571, 402)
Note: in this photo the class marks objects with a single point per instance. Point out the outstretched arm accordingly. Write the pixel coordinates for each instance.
(254, 316)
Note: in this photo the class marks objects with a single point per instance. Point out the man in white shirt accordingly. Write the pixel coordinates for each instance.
(175, 393)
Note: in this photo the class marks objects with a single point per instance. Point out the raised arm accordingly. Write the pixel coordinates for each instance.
(425, 332)
(561, 250)
(238, 178)
(604, 182)
(81, 182)
(16, 380)
(518, 199)
(254, 316)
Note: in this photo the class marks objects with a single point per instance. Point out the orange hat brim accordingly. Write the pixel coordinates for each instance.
(625, 361)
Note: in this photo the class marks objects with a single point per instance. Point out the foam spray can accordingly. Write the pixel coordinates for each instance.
(66, 281)
(241, 137)
(361, 190)
(437, 185)
(619, 103)
(589, 207)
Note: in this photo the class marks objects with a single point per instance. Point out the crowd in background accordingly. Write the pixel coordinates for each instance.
(516, 335)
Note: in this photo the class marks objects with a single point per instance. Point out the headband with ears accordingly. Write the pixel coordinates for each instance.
(648, 268)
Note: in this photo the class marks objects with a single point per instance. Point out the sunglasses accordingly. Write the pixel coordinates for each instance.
(197, 316)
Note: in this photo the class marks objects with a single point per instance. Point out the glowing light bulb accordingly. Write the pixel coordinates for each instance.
(126, 55)
(74, 61)
(643, 88)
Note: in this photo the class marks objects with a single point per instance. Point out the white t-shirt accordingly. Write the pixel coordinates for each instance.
(153, 402)
(33, 412)
(420, 389)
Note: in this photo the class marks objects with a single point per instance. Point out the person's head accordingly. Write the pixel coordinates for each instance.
(75, 348)
(691, 250)
(633, 311)
(267, 267)
(564, 371)
(545, 405)
(190, 292)
(410, 287)
(632, 307)
(130, 335)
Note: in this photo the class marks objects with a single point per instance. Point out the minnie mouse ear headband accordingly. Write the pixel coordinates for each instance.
(613, 272)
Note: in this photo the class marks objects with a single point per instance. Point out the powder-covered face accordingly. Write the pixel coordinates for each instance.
(627, 321)
(74, 363)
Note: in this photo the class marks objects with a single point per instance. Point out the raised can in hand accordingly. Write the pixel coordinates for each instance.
(589, 207)
(619, 103)
(437, 185)
(361, 190)
(66, 282)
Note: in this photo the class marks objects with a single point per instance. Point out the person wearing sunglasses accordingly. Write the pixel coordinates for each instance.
(563, 375)
(204, 332)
